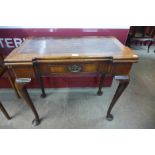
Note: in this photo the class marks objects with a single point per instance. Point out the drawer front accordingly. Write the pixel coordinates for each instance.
(72, 68)
(68, 68)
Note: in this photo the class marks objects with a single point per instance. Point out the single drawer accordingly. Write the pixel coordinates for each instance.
(68, 68)
(87, 67)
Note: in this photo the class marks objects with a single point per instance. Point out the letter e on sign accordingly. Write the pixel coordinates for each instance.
(9, 43)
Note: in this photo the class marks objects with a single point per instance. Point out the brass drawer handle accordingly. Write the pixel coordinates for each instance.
(74, 68)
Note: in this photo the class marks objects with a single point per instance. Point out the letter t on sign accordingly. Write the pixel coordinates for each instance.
(1, 43)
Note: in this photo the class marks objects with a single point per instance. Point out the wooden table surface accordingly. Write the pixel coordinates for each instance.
(71, 48)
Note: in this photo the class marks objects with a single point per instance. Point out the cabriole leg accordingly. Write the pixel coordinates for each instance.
(99, 93)
(21, 85)
(123, 83)
(39, 78)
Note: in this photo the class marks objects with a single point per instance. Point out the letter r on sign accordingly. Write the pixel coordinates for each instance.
(17, 41)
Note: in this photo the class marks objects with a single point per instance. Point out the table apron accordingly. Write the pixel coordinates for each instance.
(47, 69)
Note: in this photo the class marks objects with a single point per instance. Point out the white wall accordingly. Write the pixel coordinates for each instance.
(73, 13)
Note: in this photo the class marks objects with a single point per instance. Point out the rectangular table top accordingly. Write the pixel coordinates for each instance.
(58, 48)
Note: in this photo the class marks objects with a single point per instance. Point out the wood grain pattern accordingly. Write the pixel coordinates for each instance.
(71, 48)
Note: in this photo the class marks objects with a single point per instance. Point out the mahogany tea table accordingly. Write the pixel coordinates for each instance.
(48, 56)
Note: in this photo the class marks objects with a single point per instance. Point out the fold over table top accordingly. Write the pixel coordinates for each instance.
(67, 48)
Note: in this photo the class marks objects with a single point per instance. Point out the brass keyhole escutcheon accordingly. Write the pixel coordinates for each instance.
(74, 68)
